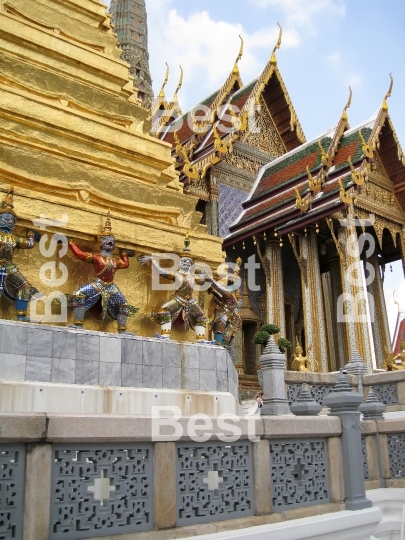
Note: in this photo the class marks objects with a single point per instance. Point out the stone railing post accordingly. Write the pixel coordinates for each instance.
(356, 366)
(343, 402)
(272, 363)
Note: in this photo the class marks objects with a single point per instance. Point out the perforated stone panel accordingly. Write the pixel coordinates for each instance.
(214, 481)
(396, 452)
(100, 490)
(320, 391)
(317, 391)
(299, 473)
(12, 466)
(364, 453)
(292, 392)
(387, 393)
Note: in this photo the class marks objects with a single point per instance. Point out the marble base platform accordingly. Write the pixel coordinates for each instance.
(63, 358)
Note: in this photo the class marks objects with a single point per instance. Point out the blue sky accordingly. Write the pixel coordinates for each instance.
(327, 45)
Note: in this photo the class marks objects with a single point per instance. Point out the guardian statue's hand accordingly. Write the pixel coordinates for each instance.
(144, 259)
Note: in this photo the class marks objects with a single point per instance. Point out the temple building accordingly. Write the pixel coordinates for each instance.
(298, 206)
(326, 218)
(130, 24)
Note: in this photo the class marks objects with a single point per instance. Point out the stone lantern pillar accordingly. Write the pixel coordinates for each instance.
(345, 403)
(272, 363)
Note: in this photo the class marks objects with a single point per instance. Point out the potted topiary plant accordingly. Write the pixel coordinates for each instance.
(263, 335)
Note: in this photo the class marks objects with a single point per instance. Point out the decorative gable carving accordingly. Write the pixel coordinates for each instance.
(263, 134)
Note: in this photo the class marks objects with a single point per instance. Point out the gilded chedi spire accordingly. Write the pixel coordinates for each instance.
(130, 23)
(7, 206)
(107, 229)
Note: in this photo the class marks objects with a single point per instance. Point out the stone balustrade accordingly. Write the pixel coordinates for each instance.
(84, 476)
(388, 385)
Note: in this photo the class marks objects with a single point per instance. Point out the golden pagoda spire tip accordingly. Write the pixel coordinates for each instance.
(277, 45)
(162, 91)
(235, 67)
(388, 94)
(180, 83)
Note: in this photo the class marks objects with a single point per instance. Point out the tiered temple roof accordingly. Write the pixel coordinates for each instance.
(321, 177)
(203, 135)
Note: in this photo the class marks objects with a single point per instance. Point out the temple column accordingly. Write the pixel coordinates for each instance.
(353, 303)
(330, 327)
(402, 240)
(338, 330)
(378, 313)
(275, 286)
(313, 305)
(213, 207)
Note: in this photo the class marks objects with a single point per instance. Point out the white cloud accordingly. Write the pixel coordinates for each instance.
(301, 13)
(204, 47)
(354, 79)
(337, 65)
(333, 58)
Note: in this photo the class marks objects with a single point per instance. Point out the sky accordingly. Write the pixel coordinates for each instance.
(327, 46)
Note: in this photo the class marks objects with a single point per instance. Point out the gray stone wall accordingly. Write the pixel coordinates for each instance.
(31, 352)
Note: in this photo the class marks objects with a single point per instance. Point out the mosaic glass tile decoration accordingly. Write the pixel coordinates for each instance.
(299, 473)
(214, 481)
(365, 462)
(387, 393)
(230, 202)
(12, 466)
(101, 489)
(396, 452)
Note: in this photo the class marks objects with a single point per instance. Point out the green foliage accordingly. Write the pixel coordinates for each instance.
(283, 344)
(261, 338)
(270, 328)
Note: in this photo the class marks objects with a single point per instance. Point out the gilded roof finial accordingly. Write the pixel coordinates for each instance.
(162, 91)
(273, 59)
(349, 101)
(325, 158)
(365, 147)
(235, 67)
(179, 85)
(387, 95)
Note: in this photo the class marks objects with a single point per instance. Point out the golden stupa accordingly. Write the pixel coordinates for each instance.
(75, 144)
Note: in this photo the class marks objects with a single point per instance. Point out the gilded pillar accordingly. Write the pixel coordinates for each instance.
(402, 238)
(378, 313)
(213, 209)
(330, 328)
(341, 348)
(353, 304)
(275, 286)
(312, 300)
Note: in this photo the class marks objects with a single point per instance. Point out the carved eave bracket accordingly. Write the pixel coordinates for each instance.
(338, 244)
(347, 197)
(301, 260)
(302, 203)
(264, 260)
(315, 184)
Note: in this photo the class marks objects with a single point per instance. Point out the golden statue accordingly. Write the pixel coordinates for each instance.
(300, 362)
(390, 364)
(226, 300)
(182, 307)
(12, 282)
(102, 295)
